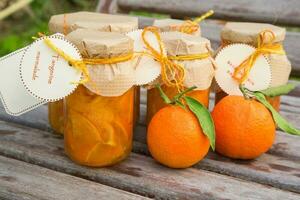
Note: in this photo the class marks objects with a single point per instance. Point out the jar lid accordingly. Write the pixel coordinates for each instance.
(94, 21)
(106, 79)
(178, 43)
(241, 32)
(168, 25)
(198, 72)
(96, 44)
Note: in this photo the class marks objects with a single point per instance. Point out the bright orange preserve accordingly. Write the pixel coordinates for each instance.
(98, 130)
(56, 116)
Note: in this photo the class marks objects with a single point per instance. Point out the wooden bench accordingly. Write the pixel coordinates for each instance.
(33, 164)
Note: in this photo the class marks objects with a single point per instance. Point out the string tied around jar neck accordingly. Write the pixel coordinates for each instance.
(265, 45)
(191, 57)
(191, 26)
(172, 74)
(81, 65)
(65, 25)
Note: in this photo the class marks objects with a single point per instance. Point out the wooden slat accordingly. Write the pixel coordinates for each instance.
(138, 174)
(212, 32)
(270, 11)
(288, 111)
(289, 144)
(37, 118)
(20, 180)
(279, 167)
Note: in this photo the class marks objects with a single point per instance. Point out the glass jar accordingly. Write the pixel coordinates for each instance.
(193, 53)
(98, 129)
(56, 116)
(155, 102)
(248, 33)
(66, 23)
(99, 115)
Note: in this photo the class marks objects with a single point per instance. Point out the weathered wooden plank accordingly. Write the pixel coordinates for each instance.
(138, 174)
(281, 162)
(37, 118)
(290, 109)
(270, 11)
(291, 114)
(212, 32)
(20, 180)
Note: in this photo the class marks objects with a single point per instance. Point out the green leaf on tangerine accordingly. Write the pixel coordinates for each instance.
(204, 118)
(280, 90)
(279, 120)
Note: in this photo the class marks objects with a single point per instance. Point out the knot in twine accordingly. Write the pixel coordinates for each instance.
(265, 45)
(190, 26)
(172, 74)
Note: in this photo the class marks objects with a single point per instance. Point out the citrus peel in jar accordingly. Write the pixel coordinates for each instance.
(68, 22)
(100, 113)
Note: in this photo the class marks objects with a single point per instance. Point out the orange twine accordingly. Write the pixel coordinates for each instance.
(190, 27)
(172, 74)
(65, 26)
(264, 46)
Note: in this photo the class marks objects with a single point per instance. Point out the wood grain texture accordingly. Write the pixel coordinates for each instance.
(137, 174)
(279, 167)
(270, 11)
(211, 30)
(37, 118)
(20, 180)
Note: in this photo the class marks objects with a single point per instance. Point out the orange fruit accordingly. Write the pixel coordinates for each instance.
(175, 138)
(274, 101)
(244, 128)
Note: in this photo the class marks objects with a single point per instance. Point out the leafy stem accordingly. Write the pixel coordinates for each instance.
(278, 119)
(177, 99)
(200, 111)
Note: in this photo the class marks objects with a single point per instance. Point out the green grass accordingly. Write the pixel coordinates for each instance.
(148, 14)
(17, 30)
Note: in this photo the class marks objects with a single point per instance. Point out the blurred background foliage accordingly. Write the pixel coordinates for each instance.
(17, 30)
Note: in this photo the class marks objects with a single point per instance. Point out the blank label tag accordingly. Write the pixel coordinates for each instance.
(232, 56)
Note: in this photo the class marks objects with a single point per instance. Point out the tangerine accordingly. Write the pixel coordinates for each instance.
(175, 138)
(244, 127)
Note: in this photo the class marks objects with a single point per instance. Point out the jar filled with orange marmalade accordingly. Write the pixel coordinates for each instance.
(99, 115)
(248, 33)
(66, 23)
(193, 54)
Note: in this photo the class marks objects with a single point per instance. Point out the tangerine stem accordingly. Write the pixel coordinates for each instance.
(244, 91)
(180, 95)
(163, 95)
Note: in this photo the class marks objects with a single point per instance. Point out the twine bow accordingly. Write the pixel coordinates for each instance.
(172, 74)
(264, 46)
(190, 26)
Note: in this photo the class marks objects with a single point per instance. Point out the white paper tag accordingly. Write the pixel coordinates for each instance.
(232, 56)
(34, 75)
(147, 69)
